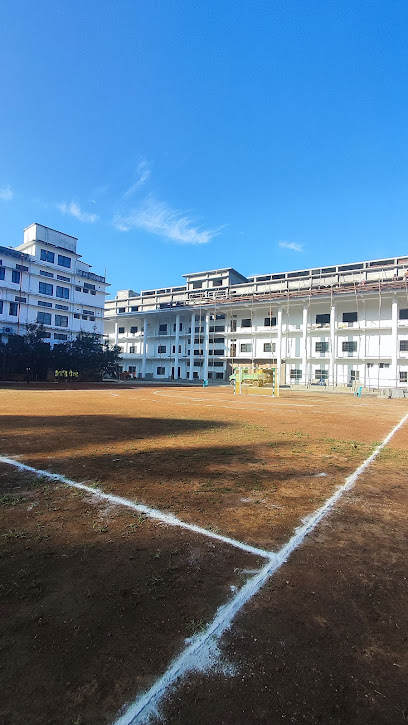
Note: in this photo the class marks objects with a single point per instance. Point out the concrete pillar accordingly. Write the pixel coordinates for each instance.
(332, 361)
(303, 351)
(394, 341)
(144, 348)
(116, 333)
(176, 356)
(192, 346)
(279, 347)
(206, 345)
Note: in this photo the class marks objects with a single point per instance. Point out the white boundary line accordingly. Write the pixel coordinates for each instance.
(202, 646)
(141, 508)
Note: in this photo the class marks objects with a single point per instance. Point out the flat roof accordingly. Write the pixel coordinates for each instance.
(37, 224)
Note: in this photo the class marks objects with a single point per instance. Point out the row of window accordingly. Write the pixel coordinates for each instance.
(62, 277)
(47, 256)
(354, 374)
(45, 288)
(44, 318)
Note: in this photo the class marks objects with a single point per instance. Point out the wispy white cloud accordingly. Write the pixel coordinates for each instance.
(292, 245)
(159, 218)
(75, 210)
(6, 193)
(143, 172)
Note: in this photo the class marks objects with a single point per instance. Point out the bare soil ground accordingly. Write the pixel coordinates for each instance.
(95, 601)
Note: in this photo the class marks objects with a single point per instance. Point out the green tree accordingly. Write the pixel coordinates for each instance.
(86, 355)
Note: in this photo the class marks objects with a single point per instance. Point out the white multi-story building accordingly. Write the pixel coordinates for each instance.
(342, 324)
(44, 280)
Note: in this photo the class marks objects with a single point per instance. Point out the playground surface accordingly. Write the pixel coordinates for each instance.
(97, 598)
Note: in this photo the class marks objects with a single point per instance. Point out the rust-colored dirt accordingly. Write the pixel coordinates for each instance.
(95, 601)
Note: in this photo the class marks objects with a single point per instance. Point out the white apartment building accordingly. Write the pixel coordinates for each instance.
(342, 325)
(44, 280)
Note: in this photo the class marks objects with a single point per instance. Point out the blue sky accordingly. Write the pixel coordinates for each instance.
(172, 136)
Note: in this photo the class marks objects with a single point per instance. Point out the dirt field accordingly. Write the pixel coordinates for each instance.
(95, 600)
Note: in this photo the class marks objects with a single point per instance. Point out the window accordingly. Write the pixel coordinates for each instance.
(174, 349)
(121, 310)
(404, 345)
(403, 314)
(134, 309)
(349, 346)
(197, 285)
(219, 376)
(64, 261)
(134, 329)
(84, 317)
(198, 352)
(354, 376)
(295, 374)
(233, 325)
(322, 346)
(384, 365)
(89, 286)
(87, 312)
(162, 329)
(20, 299)
(349, 316)
(92, 291)
(44, 304)
(323, 319)
(13, 309)
(132, 348)
(370, 365)
(161, 371)
(46, 274)
(245, 347)
(60, 336)
(61, 320)
(21, 267)
(321, 374)
(15, 276)
(45, 289)
(47, 256)
(217, 282)
(2, 272)
(197, 330)
(77, 317)
(195, 375)
(270, 322)
(86, 292)
(218, 364)
(62, 278)
(403, 376)
(1, 307)
(161, 349)
(121, 330)
(247, 322)
(78, 289)
(132, 368)
(44, 318)
(61, 307)
(62, 292)
(269, 347)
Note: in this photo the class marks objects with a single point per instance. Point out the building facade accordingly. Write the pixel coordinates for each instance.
(339, 325)
(44, 280)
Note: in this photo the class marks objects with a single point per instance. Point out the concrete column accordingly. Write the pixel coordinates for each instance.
(144, 348)
(332, 360)
(116, 333)
(394, 341)
(279, 347)
(206, 344)
(176, 356)
(192, 345)
(303, 351)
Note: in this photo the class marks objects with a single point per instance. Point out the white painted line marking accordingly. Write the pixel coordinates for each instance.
(202, 648)
(141, 508)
